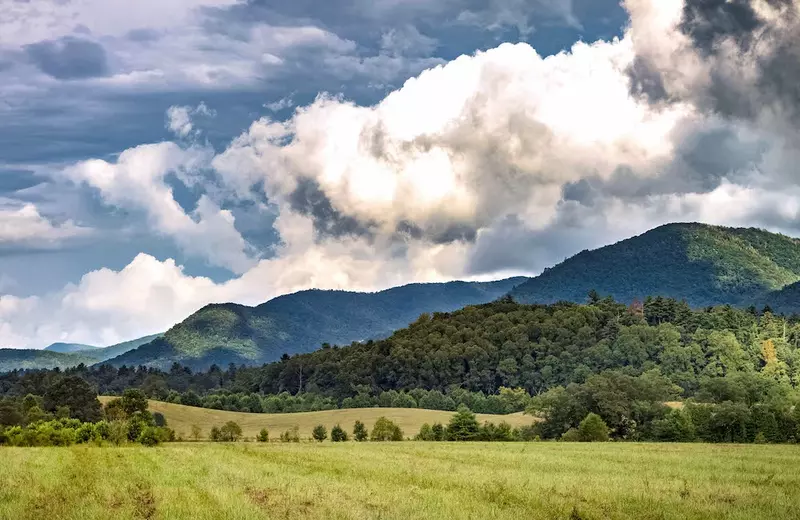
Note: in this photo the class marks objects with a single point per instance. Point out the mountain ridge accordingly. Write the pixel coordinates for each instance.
(301, 322)
(704, 265)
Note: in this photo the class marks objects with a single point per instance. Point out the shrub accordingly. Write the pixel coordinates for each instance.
(360, 432)
(677, 426)
(386, 430)
(425, 433)
(118, 432)
(439, 432)
(230, 432)
(215, 435)
(320, 433)
(263, 435)
(292, 435)
(593, 429)
(150, 436)
(571, 435)
(159, 419)
(338, 434)
(102, 431)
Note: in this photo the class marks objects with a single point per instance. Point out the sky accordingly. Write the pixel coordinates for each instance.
(156, 156)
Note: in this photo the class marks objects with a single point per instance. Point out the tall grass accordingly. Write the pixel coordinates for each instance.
(402, 481)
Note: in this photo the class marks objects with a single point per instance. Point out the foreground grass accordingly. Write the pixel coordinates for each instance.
(402, 481)
(181, 419)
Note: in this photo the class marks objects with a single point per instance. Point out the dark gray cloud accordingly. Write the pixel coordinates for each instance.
(308, 199)
(69, 58)
(765, 49)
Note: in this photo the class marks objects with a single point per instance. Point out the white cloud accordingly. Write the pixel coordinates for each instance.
(180, 118)
(137, 181)
(24, 225)
(460, 172)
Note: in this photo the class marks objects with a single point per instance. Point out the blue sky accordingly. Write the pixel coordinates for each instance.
(159, 155)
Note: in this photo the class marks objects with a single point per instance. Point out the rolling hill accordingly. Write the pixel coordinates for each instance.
(705, 265)
(181, 419)
(301, 322)
(65, 355)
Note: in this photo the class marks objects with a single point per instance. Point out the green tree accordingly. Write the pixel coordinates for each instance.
(215, 435)
(593, 429)
(676, 426)
(320, 433)
(263, 435)
(463, 426)
(150, 436)
(360, 432)
(76, 394)
(386, 430)
(133, 400)
(196, 432)
(230, 432)
(439, 432)
(338, 434)
(425, 433)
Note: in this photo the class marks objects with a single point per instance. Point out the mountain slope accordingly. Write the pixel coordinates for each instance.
(786, 301)
(705, 265)
(65, 355)
(26, 359)
(301, 322)
(69, 348)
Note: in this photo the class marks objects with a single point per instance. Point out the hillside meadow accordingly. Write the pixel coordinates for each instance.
(181, 419)
(409, 480)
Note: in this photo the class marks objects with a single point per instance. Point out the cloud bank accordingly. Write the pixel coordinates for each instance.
(496, 163)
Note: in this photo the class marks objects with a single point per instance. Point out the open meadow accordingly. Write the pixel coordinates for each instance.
(408, 480)
(181, 419)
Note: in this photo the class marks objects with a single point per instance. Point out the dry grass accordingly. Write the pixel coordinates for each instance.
(182, 418)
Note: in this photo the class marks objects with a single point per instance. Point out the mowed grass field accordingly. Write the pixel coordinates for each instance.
(401, 481)
(181, 419)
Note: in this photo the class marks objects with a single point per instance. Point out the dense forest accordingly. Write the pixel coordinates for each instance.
(704, 265)
(561, 362)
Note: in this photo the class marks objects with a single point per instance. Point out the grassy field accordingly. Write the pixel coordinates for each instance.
(181, 418)
(402, 481)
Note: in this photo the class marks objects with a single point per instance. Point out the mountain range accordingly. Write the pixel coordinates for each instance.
(703, 265)
(65, 355)
(301, 322)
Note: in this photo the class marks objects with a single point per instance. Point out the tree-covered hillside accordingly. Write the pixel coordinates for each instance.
(303, 321)
(65, 355)
(705, 265)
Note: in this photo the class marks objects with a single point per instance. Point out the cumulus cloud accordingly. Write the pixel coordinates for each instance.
(180, 118)
(25, 226)
(137, 181)
(498, 162)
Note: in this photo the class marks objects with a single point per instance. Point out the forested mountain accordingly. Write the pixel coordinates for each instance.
(26, 359)
(786, 301)
(303, 321)
(704, 265)
(68, 348)
(736, 370)
(65, 355)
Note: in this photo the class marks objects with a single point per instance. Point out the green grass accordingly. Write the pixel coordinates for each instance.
(181, 419)
(402, 481)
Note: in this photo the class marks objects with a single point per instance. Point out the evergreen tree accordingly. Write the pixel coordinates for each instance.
(463, 426)
(320, 433)
(338, 434)
(360, 432)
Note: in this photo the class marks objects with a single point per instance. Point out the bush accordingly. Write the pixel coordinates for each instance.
(571, 435)
(360, 432)
(425, 433)
(677, 426)
(385, 430)
(338, 434)
(150, 436)
(159, 419)
(215, 435)
(439, 432)
(230, 432)
(263, 435)
(320, 433)
(593, 429)
(292, 435)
